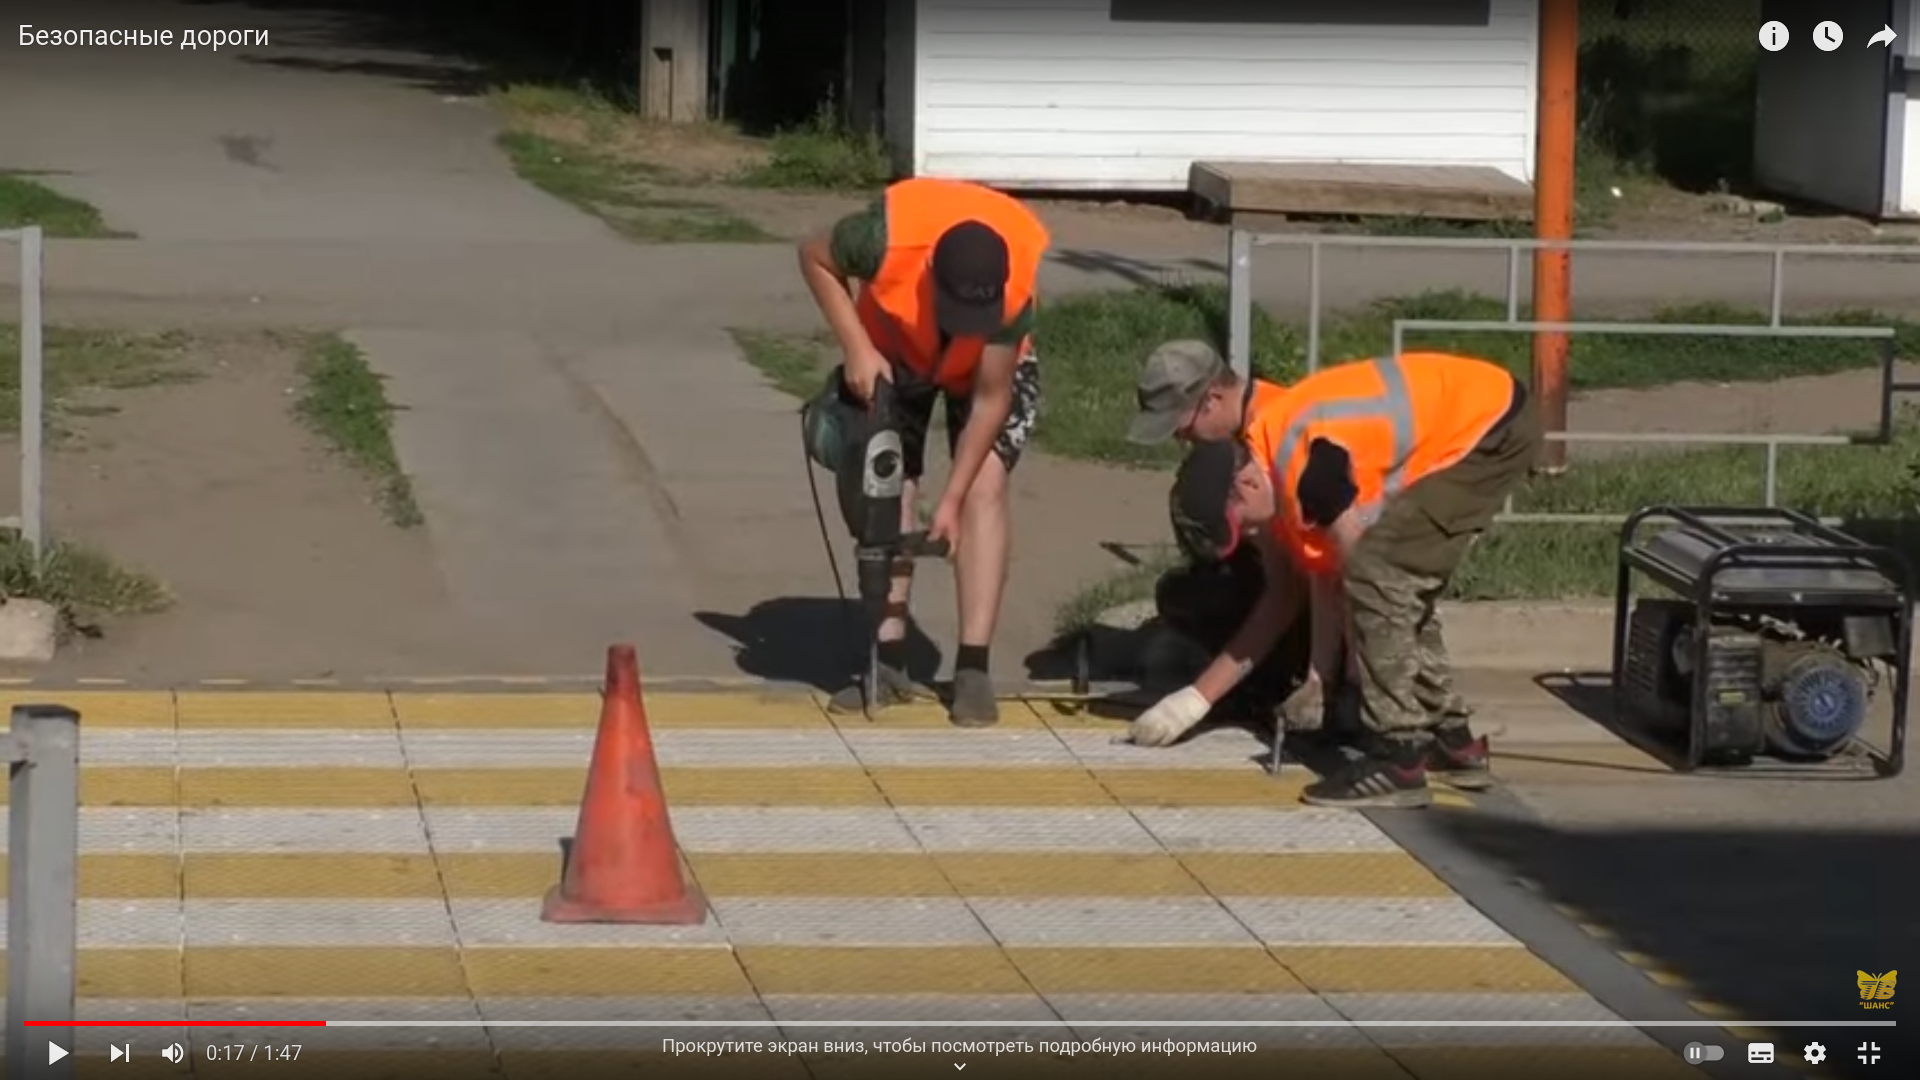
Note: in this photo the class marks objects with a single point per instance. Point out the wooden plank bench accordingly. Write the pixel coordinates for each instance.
(1444, 192)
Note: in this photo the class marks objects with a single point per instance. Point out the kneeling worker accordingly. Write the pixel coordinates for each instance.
(947, 273)
(1188, 392)
(1387, 472)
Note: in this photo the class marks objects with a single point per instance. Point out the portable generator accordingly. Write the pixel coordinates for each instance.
(1778, 637)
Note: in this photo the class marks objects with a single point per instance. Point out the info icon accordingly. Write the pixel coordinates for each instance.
(1774, 36)
(1759, 1053)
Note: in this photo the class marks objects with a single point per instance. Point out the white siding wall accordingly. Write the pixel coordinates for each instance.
(1906, 198)
(1053, 94)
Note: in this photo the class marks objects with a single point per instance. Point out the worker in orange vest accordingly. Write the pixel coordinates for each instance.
(1187, 391)
(947, 274)
(1385, 474)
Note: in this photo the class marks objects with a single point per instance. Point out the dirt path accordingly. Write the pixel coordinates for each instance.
(273, 549)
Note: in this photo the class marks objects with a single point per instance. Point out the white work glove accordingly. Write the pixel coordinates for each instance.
(1171, 717)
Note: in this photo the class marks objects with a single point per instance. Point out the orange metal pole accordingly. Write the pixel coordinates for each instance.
(1553, 212)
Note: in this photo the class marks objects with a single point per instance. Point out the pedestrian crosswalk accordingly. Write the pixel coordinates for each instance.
(344, 856)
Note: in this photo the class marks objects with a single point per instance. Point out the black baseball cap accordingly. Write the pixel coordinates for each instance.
(971, 265)
(1204, 522)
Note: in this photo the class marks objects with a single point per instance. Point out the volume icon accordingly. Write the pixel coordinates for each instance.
(173, 1053)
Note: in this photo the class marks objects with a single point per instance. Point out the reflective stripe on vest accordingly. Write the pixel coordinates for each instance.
(1393, 404)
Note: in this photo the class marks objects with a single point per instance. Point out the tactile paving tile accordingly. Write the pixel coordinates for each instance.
(128, 924)
(1357, 921)
(388, 830)
(536, 748)
(529, 829)
(1093, 829)
(267, 711)
(897, 873)
(1111, 922)
(1222, 829)
(350, 924)
(481, 924)
(1485, 1008)
(843, 922)
(130, 746)
(316, 1043)
(352, 749)
(996, 749)
(791, 829)
(106, 829)
(1226, 748)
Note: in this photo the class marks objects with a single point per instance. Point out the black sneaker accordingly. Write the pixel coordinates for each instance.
(896, 688)
(1398, 783)
(974, 704)
(1460, 760)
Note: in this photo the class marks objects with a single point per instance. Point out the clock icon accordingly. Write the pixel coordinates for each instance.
(1827, 36)
(1773, 36)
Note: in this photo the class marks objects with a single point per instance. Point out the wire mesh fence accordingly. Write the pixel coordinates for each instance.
(1668, 86)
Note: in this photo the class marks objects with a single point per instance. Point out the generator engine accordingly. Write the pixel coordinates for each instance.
(1772, 640)
(1757, 685)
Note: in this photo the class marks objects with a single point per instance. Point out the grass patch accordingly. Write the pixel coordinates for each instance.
(822, 155)
(625, 195)
(80, 364)
(82, 584)
(1127, 585)
(345, 402)
(25, 201)
(793, 363)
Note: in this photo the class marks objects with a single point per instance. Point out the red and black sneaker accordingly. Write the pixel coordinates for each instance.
(1458, 759)
(1394, 780)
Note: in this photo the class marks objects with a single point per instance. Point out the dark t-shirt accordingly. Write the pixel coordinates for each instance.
(859, 247)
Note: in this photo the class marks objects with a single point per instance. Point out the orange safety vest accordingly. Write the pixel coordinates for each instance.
(1264, 422)
(1400, 418)
(896, 307)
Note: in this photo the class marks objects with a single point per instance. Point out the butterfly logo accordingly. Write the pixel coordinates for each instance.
(1876, 991)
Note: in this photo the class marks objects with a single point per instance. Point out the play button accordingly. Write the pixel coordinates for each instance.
(55, 1052)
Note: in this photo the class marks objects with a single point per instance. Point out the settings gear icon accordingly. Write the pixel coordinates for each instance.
(1814, 1053)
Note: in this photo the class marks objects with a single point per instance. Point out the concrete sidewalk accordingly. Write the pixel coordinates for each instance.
(282, 856)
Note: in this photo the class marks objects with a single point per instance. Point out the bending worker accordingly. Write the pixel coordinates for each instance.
(947, 274)
(1187, 391)
(1386, 473)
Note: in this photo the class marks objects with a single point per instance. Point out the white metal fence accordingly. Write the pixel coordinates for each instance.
(29, 522)
(1242, 244)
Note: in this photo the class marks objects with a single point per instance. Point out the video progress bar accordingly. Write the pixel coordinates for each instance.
(1715, 1025)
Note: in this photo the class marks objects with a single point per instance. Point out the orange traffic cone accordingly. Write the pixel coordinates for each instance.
(624, 866)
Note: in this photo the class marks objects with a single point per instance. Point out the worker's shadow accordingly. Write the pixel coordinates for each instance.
(815, 640)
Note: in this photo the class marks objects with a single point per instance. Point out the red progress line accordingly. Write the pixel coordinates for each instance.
(176, 1023)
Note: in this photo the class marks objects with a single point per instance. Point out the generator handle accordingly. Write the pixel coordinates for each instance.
(1702, 519)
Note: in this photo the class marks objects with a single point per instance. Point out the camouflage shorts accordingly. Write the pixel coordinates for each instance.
(918, 404)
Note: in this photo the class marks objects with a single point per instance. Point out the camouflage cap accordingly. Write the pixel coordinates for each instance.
(1171, 385)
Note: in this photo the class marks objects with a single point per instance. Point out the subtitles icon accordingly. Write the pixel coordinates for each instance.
(1759, 1053)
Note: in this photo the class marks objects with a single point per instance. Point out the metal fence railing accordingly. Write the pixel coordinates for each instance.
(1773, 441)
(1242, 244)
(30, 522)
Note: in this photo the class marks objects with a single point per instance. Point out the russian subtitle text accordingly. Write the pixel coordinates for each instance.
(995, 1047)
(185, 40)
